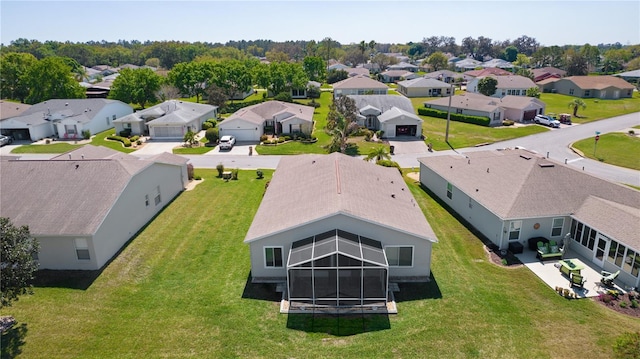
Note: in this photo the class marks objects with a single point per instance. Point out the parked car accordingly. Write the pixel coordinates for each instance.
(546, 120)
(227, 142)
(5, 140)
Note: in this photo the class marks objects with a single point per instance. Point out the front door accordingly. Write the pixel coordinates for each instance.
(600, 249)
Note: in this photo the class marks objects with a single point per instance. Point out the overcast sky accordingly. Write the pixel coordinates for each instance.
(550, 22)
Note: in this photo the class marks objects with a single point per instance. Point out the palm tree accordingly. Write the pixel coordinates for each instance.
(340, 134)
(362, 46)
(577, 102)
(378, 153)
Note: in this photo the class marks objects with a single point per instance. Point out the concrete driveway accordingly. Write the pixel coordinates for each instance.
(156, 147)
(403, 146)
(240, 148)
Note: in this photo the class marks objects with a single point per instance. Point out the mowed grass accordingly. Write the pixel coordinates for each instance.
(619, 149)
(179, 289)
(596, 109)
(100, 139)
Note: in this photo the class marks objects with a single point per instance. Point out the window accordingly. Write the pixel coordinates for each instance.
(585, 236)
(556, 228)
(587, 93)
(470, 203)
(458, 110)
(82, 249)
(629, 260)
(70, 129)
(157, 198)
(612, 251)
(127, 125)
(514, 230)
(620, 255)
(578, 234)
(592, 239)
(449, 190)
(273, 257)
(113, 117)
(570, 91)
(146, 200)
(399, 256)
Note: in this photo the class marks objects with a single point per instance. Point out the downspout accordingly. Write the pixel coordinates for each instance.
(502, 232)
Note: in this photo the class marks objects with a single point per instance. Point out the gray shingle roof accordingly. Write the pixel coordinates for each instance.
(62, 196)
(513, 187)
(383, 102)
(308, 188)
(89, 106)
(176, 112)
(10, 109)
(424, 82)
(395, 112)
(261, 112)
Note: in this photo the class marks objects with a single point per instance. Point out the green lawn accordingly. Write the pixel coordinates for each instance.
(179, 289)
(617, 149)
(99, 139)
(596, 109)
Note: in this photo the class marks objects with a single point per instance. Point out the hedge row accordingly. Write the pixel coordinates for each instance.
(476, 120)
(235, 106)
(125, 141)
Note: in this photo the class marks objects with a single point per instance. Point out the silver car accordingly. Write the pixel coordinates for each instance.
(5, 140)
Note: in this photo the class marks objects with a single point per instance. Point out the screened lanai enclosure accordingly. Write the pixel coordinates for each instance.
(337, 269)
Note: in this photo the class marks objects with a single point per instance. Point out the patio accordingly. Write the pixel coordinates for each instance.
(548, 271)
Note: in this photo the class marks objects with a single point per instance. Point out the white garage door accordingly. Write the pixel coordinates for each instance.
(167, 132)
(241, 134)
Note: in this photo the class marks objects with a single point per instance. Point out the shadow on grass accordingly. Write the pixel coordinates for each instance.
(12, 340)
(337, 324)
(260, 291)
(418, 291)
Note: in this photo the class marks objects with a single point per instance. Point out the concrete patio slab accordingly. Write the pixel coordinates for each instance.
(549, 272)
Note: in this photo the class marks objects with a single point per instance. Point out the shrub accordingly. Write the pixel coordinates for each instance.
(263, 138)
(389, 163)
(634, 303)
(86, 134)
(632, 132)
(207, 125)
(606, 298)
(212, 121)
(138, 142)
(259, 174)
(476, 120)
(623, 304)
(212, 135)
(313, 92)
(233, 107)
(125, 133)
(284, 97)
(125, 141)
(368, 135)
(287, 138)
(504, 261)
(281, 139)
(197, 178)
(220, 169)
(507, 123)
(314, 104)
(234, 174)
(134, 138)
(379, 133)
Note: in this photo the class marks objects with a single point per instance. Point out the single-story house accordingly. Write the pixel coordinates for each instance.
(499, 63)
(547, 72)
(467, 64)
(630, 76)
(396, 75)
(337, 66)
(603, 87)
(302, 93)
(65, 118)
(521, 108)
(84, 205)
(447, 76)
(392, 114)
(486, 72)
(359, 85)
(355, 71)
(547, 85)
(10, 109)
(424, 87)
(472, 104)
(171, 119)
(506, 195)
(404, 66)
(402, 58)
(271, 117)
(515, 85)
(350, 230)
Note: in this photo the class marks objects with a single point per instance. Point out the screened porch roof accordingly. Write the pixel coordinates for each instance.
(364, 249)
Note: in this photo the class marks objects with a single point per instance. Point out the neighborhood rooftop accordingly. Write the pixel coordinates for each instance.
(307, 188)
(383, 102)
(267, 110)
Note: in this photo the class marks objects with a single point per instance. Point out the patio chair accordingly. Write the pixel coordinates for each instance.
(577, 280)
(608, 277)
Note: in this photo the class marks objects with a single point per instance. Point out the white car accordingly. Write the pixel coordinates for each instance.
(227, 142)
(546, 120)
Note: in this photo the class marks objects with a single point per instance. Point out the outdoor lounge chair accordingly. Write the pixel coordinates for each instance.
(608, 277)
(577, 280)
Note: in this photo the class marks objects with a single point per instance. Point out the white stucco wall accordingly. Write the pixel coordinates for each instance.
(243, 130)
(59, 253)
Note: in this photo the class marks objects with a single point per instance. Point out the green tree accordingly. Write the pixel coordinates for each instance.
(378, 153)
(315, 68)
(137, 86)
(17, 266)
(190, 77)
(487, 86)
(575, 104)
(591, 55)
(13, 67)
(575, 63)
(51, 78)
(340, 133)
(167, 92)
(334, 76)
(216, 97)
(438, 61)
(190, 138)
(522, 60)
(343, 106)
(383, 61)
(511, 53)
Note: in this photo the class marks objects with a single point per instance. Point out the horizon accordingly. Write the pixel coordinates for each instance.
(281, 21)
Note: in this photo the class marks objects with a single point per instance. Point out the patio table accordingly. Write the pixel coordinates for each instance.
(569, 266)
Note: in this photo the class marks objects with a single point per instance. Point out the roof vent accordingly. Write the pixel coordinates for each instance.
(393, 195)
(546, 164)
(525, 157)
(66, 104)
(77, 166)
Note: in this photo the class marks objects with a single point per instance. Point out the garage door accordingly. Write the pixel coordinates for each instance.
(406, 130)
(241, 134)
(167, 132)
(529, 115)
